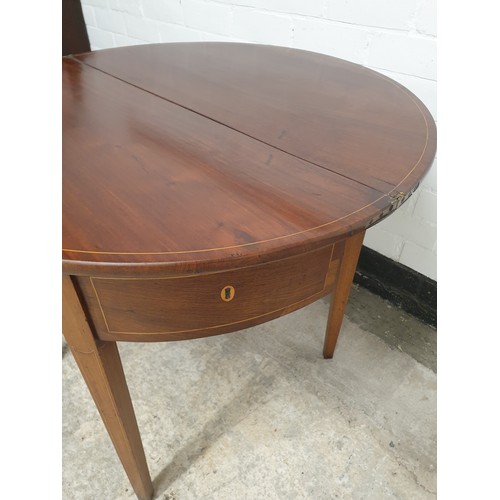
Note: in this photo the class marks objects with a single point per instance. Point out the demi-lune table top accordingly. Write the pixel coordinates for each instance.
(187, 157)
(211, 187)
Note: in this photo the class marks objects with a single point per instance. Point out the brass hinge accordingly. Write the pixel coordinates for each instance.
(397, 198)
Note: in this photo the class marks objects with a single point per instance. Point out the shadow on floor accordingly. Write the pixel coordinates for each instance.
(250, 397)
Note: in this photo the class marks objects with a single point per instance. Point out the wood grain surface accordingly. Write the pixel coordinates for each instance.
(196, 157)
(191, 306)
(102, 370)
(209, 187)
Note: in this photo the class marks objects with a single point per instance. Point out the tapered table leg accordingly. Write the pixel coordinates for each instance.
(341, 291)
(101, 367)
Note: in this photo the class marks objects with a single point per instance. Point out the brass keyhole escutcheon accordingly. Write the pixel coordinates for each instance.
(227, 293)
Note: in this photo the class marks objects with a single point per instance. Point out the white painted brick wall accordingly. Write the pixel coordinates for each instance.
(313, 8)
(142, 28)
(425, 18)
(412, 55)
(274, 29)
(98, 3)
(395, 14)
(110, 20)
(167, 12)
(208, 16)
(335, 39)
(129, 6)
(395, 37)
(178, 33)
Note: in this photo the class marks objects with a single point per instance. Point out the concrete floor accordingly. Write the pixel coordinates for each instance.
(259, 414)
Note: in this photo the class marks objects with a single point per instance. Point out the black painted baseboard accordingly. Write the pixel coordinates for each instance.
(400, 285)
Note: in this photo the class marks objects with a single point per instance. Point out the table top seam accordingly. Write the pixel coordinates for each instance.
(187, 108)
(389, 195)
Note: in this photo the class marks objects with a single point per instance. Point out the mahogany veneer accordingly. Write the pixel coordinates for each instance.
(209, 187)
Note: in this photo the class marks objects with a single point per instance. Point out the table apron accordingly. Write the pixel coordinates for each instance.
(193, 306)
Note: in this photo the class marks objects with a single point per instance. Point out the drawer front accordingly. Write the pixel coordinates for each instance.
(185, 304)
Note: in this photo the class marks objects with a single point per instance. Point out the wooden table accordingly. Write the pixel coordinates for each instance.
(210, 187)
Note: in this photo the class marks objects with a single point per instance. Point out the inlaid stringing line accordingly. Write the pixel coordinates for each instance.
(379, 75)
